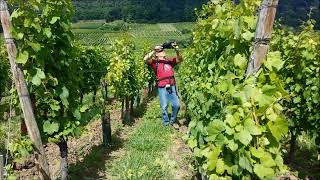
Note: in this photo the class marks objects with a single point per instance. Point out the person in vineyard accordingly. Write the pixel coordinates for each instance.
(166, 83)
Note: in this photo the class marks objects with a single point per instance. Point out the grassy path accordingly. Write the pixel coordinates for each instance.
(151, 152)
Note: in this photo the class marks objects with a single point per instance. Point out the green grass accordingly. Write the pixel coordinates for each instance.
(144, 151)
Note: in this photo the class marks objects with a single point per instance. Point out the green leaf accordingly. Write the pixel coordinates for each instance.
(247, 35)
(231, 120)
(308, 55)
(297, 100)
(64, 96)
(37, 26)
(19, 36)
(35, 46)
(237, 28)
(50, 128)
(23, 57)
(84, 108)
(245, 137)
(77, 114)
(15, 14)
(250, 125)
(192, 143)
(263, 172)
(213, 158)
(251, 21)
(213, 177)
(244, 162)
(223, 86)
(264, 100)
(230, 131)
(220, 140)
(220, 166)
(278, 128)
(240, 61)
(215, 127)
(267, 160)
(54, 107)
(47, 32)
(36, 79)
(54, 20)
(237, 170)
(274, 60)
(215, 23)
(232, 145)
(271, 115)
(258, 153)
(241, 96)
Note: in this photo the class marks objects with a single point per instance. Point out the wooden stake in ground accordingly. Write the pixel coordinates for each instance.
(268, 9)
(22, 90)
(105, 117)
(1, 167)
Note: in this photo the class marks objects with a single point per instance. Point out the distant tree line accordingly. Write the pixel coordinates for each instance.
(290, 12)
(294, 12)
(143, 11)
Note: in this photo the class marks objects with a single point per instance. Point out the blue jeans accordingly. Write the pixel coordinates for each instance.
(166, 97)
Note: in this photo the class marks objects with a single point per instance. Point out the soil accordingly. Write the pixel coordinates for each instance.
(86, 157)
(79, 148)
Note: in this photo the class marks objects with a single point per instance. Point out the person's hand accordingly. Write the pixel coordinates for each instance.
(175, 46)
(158, 48)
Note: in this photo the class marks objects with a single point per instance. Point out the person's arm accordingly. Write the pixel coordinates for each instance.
(149, 56)
(179, 57)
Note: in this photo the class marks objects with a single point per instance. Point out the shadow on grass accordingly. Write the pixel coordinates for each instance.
(139, 111)
(93, 166)
(142, 108)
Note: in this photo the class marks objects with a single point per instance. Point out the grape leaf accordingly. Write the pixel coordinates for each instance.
(244, 137)
(50, 128)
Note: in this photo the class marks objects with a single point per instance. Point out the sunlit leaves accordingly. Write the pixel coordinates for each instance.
(240, 61)
(278, 128)
(301, 75)
(274, 60)
(244, 137)
(50, 128)
(36, 79)
(229, 112)
(262, 171)
(123, 74)
(54, 20)
(23, 57)
(48, 56)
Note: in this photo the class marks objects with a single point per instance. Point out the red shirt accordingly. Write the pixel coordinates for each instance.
(165, 72)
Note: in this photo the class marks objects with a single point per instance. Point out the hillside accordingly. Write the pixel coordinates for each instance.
(137, 10)
(292, 12)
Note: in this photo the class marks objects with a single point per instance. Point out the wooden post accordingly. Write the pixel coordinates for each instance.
(22, 90)
(263, 34)
(105, 117)
(1, 167)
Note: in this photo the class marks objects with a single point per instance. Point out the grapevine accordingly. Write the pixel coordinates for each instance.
(236, 127)
(301, 76)
(43, 34)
